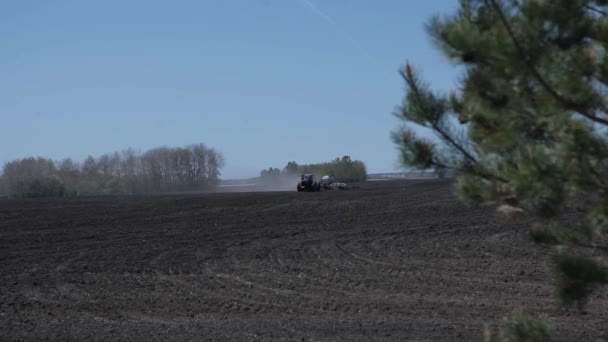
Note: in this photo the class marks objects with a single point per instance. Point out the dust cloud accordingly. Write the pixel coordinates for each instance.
(286, 182)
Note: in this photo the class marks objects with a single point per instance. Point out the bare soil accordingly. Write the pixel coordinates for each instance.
(394, 260)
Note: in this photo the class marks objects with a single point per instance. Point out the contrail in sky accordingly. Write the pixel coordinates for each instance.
(332, 22)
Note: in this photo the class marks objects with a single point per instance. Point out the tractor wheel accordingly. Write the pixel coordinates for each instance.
(299, 188)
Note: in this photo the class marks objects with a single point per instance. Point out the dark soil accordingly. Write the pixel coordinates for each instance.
(395, 260)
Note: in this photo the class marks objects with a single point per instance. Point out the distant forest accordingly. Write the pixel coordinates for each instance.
(343, 169)
(162, 169)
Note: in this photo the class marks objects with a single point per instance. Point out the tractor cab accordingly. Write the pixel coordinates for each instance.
(307, 178)
(308, 183)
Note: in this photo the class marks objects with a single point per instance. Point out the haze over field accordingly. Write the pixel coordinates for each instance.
(263, 81)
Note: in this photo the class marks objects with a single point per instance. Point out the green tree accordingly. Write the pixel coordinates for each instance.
(270, 176)
(291, 168)
(45, 187)
(527, 125)
(2, 186)
(29, 177)
(69, 173)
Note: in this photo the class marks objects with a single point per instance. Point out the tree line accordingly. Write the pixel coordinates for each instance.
(343, 169)
(162, 169)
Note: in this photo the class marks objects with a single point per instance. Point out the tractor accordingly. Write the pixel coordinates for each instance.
(308, 183)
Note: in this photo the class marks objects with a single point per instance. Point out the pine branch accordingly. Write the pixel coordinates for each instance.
(434, 124)
(596, 10)
(599, 181)
(469, 169)
(454, 144)
(569, 104)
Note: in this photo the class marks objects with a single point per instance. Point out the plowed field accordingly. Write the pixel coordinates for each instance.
(393, 260)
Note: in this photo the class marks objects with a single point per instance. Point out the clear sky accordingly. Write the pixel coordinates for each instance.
(263, 81)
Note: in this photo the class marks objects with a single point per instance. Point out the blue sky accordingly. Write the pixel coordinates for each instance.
(262, 81)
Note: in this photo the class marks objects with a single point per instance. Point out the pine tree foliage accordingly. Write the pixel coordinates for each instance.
(528, 123)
